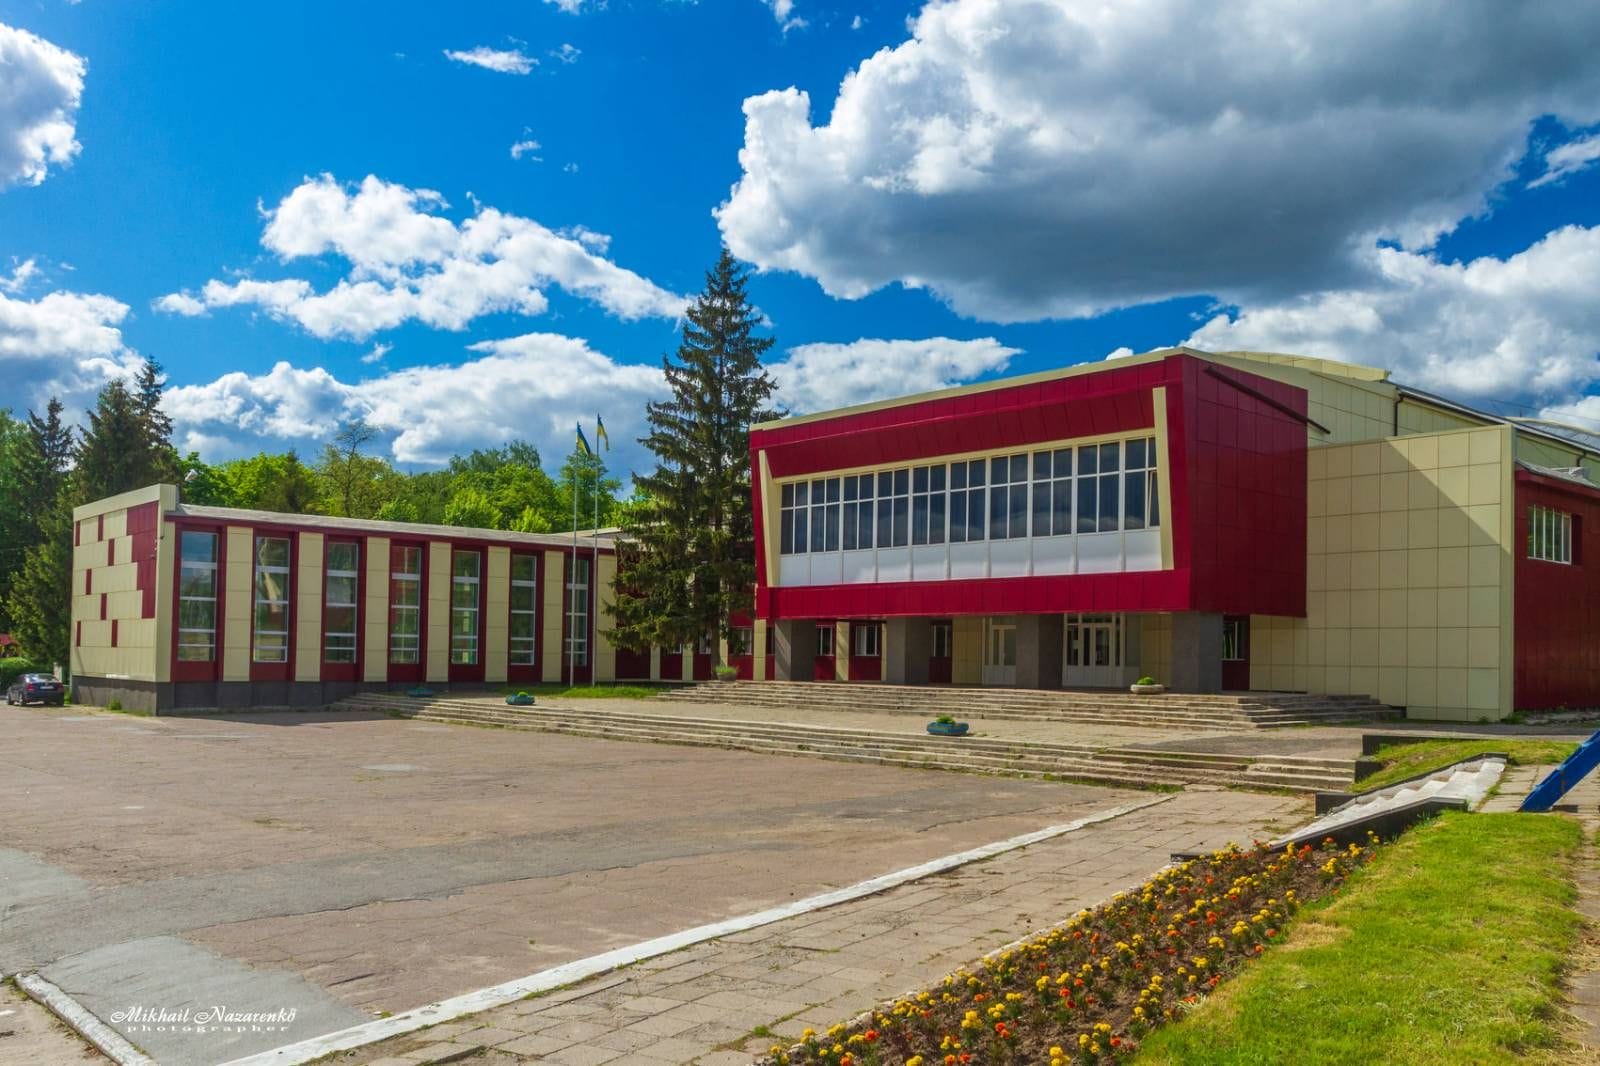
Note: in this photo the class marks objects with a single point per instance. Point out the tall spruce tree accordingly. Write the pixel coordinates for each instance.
(689, 559)
(161, 459)
(38, 601)
(112, 456)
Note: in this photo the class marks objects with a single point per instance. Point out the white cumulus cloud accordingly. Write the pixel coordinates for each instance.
(1027, 159)
(819, 377)
(1525, 328)
(409, 263)
(499, 60)
(533, 387)
(783, 13)
(41, 85)
(67, 344)
(525, 148)
(1567, 159)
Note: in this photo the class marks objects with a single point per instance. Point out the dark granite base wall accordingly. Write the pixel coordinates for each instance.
(190, 697)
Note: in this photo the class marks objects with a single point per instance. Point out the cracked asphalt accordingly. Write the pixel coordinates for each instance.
(345, 866)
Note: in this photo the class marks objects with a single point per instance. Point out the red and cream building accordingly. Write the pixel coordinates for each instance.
(176, 605)
(1218, 521)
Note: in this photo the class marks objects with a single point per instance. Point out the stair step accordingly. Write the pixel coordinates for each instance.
(1137, 766)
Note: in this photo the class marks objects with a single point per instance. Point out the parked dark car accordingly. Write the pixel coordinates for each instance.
(36, 688)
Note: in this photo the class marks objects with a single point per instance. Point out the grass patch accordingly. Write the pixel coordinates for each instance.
(586, 692)
(1449, 947)
(1408, 760)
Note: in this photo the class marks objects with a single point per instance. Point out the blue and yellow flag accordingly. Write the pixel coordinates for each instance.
(583, 443)
(600, 434)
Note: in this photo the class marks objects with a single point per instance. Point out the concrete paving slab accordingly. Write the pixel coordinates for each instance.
(185, 1006)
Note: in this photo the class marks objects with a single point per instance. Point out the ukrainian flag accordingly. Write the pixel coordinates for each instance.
(600, 434)
(583, 442)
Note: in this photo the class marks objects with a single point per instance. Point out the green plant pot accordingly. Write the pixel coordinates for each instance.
(948, 729)
(520, 699)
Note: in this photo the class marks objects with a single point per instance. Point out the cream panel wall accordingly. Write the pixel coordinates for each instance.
(550, 640)
(496, 624)
(605, 653)
(758, 663)
(1154, 658)
(1409, 578)
(966, 650)
(109, 637)
(375, 639)
(438, 611)
(308, 609)
(1418, 418)
(240, 596)
(841, 651)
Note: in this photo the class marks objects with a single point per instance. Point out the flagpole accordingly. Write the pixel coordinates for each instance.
(572, 644)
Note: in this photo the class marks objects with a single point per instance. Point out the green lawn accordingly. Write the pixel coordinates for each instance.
(1446, 949)
(1408, 760)
(542, 689)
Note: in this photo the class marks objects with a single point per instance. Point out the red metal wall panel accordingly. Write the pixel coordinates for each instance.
(1237, 467)
(1556, 610)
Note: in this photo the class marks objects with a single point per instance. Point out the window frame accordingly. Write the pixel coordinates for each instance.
(575, 646)
(513, 612)
(866, 640)
(1550, 535)
(460, 582)
(215, 599)
(329, 606)
(286, 571)
(403, 578)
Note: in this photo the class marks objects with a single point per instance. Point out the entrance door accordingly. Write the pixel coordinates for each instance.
(939, 659)
(1235, 652)
(1000, 654)
(1095, 651)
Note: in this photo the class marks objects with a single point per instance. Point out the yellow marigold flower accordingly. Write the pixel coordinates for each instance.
(915, 1060)
(1042, 983)
(807, 1034)
(1056, 1053)
(1083, 1040)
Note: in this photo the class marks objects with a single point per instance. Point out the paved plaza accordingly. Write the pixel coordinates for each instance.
(349, 866)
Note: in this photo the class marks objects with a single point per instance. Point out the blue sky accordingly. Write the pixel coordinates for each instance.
(993, 187)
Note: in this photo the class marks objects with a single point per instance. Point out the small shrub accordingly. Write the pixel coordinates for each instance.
(11, 669)
(946, 719)
(113, 704)
(726, 673)
(1146, 680)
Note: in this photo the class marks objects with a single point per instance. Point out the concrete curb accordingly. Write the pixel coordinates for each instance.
(85, 1024)
(581, 969)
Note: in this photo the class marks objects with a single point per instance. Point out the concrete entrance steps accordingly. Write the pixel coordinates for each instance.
(1129, 765)
(1266, 710)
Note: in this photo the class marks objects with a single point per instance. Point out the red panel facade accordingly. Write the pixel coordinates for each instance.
(1237, 467)
(1557, 605)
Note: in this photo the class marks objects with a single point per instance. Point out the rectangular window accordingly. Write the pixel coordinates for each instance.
(197, 598)
(524, 649)
(858, 505)
(1008, 497)
(1141, 504)
(405, 604)
(825, 515)
(824, 640)
(867, 639)
(742, 642)
(894, 508)
(464, 572)
(792, 523)
(272, 600)
(928, 504)
(967, 500)
(340, 582)
(941, 640)
(1549, 535)
(577, 639)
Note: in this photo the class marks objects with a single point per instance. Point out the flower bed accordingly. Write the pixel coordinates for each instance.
(1088, 990)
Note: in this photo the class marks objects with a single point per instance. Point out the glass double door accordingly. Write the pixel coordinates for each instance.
(1096, 651)
(999, 652)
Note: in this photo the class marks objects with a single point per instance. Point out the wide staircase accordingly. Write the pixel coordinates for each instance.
(1132, 765)
(1226, 713)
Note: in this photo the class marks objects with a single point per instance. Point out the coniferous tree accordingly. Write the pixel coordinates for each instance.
(113, 455)
(689, 559)
(40, 602)
(39, 599)
(160, 458)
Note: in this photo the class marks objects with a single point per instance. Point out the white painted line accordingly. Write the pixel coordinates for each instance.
(581, 969)
(83, 1023)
